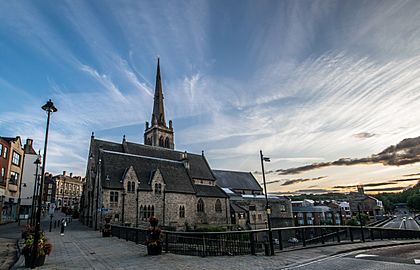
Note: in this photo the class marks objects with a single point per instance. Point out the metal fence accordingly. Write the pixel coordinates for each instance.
(256, 241)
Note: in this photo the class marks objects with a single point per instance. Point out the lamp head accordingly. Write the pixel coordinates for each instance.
(49, 106)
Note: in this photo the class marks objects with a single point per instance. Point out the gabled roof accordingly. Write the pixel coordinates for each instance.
(115, 164)
(12, 139)
(199, 168)
(209, 191)
(236, 180)
(237, 209)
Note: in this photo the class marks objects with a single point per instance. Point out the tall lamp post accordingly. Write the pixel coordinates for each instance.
(267, 207)
(49, 108)
(37, 162)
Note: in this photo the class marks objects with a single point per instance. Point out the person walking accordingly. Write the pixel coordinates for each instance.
(63, 225)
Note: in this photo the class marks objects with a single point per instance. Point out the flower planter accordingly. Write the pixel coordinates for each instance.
(154, 249)
(40, 260)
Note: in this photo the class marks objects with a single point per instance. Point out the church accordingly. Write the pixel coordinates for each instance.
(129, 182)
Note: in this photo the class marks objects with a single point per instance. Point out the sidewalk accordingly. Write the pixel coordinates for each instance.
(82, 248)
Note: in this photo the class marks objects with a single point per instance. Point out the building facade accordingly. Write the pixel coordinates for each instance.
(66, 190)
(248, 204)
(28, 178)
(11, 167)
(367, 204)
(129, 182)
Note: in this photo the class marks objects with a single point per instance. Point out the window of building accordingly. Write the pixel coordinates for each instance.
(133, 186)
(50, 185)
(2, 172)
(129, 186)
(259, 217)
(14, 178)
(254, 217)
(182, 211)
(113, 197)
(161, 141)
(158, 188)
(200, 206)
(5, 152)
(1, 148)
(218, 206)
(167, 142)
(16, 159)
(282, 208)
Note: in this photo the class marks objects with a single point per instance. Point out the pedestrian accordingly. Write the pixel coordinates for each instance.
(63, 225)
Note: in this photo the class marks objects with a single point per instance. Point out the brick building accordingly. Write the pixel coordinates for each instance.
(130, 182)
(11, 168)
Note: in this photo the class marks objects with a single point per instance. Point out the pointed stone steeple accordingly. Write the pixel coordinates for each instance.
(158, 116)
(158, 133)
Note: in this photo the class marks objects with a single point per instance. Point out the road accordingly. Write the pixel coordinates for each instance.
(389, 258)
(403, 220)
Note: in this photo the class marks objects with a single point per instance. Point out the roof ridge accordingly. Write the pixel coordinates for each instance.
(140, 156)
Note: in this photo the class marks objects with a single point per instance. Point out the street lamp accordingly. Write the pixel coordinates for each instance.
(267, 207)
(49, 108)
(37, 162)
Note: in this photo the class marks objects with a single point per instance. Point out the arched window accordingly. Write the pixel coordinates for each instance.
(148, 211)
(161, 141)
(129, 186)
(167, 142)
(200, 206)
(160, 188)
(152, 211)
(182, 211)
(133, 186)
(218, 206)
(145, 212)
(149, 141)
(141, 211)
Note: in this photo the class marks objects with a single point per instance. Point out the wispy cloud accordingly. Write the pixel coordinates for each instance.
(405, 152)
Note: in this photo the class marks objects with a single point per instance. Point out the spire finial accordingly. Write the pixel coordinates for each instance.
(158, 116)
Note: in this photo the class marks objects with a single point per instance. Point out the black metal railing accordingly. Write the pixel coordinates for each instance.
(256, 241)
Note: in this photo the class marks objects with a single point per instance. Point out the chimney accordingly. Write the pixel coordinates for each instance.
(29, 142)
(71, 174)
(64, 173)
(360, 189)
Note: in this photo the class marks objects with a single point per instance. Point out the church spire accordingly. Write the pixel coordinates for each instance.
(158, 116)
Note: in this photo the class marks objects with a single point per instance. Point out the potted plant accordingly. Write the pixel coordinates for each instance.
(44, 248)
(106, 230)
(29, 230)
(153, 237)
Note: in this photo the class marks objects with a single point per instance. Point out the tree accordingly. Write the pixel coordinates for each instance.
(354, 221)
(413, 202)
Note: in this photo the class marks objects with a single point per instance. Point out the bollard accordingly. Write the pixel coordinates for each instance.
(266, 249)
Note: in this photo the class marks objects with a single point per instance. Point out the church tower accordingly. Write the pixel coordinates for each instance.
(159, 134)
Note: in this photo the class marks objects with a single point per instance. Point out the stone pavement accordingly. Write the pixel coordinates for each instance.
(7, 252)
(82, 248)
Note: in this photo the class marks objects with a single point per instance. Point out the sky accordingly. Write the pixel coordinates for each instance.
(306, 82)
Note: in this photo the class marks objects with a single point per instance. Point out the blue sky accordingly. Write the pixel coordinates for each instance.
(305, 81)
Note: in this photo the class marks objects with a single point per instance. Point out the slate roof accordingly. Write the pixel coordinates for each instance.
(115, 164)
(10, 139)
(236, 180)
(237, 209)
(209, 191)
(199, 168)
(311, 209)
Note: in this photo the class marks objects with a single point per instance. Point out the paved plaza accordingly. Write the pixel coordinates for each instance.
(83, 248)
